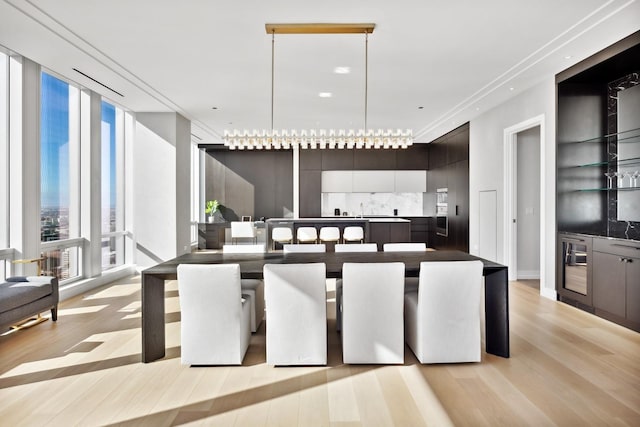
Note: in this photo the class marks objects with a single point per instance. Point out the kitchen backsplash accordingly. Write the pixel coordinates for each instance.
(355, 204)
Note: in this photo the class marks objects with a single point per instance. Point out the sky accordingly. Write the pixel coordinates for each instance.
(54, 128)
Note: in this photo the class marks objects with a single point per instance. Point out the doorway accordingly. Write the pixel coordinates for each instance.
(524, 200)
(527, 201)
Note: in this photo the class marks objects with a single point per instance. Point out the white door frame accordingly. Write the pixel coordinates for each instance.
(510, 196)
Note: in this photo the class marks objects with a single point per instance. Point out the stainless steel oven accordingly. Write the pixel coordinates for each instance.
(442, 221)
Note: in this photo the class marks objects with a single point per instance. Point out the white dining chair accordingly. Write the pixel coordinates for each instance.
(252, 288)
(243, 249)
(372, 312)
(404, 247)
(344, 248)
(243, 230)
(410, 283)
(304, 248)
(442, 317)
(353, 234)
(281, 235)
(295, 296)
(215, 325)
(307, 234)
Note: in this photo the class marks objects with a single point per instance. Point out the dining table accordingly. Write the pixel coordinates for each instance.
(496, 292)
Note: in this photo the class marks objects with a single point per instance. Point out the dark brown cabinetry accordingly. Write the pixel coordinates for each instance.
(616, 281)
(389, 232)
(600, 275)
(211, 235)
(449, 169)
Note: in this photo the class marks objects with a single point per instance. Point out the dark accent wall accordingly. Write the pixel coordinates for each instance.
(313, 162)
(256, 183)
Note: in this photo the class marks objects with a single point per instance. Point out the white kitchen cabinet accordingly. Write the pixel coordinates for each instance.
(410, 181)
(374, 181)
(337, 181)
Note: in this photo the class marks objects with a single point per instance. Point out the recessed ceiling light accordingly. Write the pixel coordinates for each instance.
(342, 70)
(214, 108)
(420, 108)
(325, 94)
(511, 88)
(477, 108)
(568, 57)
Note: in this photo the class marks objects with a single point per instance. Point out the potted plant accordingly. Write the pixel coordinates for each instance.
(211, 208)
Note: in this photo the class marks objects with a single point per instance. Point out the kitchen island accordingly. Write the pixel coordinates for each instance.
(378, 230)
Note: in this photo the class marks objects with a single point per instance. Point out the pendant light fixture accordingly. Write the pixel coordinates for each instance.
(322, 138)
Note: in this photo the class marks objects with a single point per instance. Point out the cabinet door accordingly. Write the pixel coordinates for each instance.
(411, 181)
(373, 181)
(633, 289)
(337, 181)
(609, 292)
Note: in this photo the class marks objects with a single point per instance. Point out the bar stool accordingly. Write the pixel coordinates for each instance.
(281, 235)
(353, 234)
(330, 234)
(307, 234)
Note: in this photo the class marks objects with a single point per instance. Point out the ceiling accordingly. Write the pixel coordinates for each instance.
(431, 65)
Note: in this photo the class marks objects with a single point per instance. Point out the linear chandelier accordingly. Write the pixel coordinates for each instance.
(322, 139)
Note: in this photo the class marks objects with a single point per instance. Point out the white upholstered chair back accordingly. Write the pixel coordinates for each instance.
(372, 312)
(364, 247)
(302, 248)
(243, 249)
(242, 230)
(295, 296)
(404, 247)
(442, 318)
(215, 322)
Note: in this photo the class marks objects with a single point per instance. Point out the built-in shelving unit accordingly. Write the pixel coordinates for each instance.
(598, 212)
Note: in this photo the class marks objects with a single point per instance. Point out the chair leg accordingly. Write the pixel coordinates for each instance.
(54, 313)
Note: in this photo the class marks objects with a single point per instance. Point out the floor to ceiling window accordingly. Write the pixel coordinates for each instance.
(59, 116)
(112, 174)
(5, 253)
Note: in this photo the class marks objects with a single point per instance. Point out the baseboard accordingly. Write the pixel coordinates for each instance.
(528, 275)
(85, 285)
(549, 293)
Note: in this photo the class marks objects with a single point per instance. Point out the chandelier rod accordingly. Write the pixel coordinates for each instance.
(366, 77)
(273, 51)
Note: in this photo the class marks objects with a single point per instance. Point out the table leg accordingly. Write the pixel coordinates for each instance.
(496, 302)
(153, 341)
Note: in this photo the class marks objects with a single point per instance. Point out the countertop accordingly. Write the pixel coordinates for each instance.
(340, 219)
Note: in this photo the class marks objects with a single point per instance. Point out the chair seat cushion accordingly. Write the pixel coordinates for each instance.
(17, 294)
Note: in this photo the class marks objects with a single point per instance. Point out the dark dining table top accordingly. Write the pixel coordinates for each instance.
(251, 265)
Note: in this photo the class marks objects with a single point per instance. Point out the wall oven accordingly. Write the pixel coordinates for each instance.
(442, 222)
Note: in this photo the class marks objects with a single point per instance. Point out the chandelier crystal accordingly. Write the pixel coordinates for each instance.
(322, 139)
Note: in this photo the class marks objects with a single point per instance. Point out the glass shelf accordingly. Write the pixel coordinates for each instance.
(608, 189)
(623, 162)
(632, 136)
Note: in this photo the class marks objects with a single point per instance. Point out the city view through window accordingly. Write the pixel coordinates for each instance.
(57, 114)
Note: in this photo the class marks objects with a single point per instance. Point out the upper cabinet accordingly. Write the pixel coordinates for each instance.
(375, 181)
(411, 181)
(337, 181)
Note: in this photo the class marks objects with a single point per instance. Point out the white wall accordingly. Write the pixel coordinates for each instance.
(528, 203)
(161, 187)
(486, 147)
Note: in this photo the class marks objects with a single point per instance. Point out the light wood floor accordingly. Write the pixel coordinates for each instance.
(568, 368)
